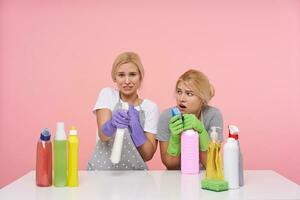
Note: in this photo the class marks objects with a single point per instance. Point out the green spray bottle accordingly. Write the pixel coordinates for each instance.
(60, 156)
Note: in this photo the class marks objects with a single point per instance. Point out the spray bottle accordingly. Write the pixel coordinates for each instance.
(60, 156)
(73, 158)
(233, 132)
(231, 163)
(118, 142)
(44, 160)
(189, 149)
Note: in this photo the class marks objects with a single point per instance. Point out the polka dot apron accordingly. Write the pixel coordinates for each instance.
(130, 158)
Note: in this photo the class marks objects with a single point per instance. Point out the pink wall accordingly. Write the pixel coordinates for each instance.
(55, 57)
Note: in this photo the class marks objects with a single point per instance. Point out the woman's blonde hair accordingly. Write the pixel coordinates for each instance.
(199, 83)
(127, 57)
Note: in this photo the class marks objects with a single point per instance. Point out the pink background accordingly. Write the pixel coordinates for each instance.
(55, 57)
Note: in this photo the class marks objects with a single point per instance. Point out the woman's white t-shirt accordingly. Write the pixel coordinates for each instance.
(109, 97)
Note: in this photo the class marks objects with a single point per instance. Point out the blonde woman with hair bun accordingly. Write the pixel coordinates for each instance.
(193, 91)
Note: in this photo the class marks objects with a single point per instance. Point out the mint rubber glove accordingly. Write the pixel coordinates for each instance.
(137, 131)
(119, 119)
(192, 122)
(176, 128)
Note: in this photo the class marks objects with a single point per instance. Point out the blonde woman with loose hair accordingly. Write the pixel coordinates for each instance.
(139, 122)
(193, 92)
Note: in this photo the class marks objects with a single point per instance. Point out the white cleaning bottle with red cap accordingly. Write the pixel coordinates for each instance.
(234, 133)
(231, 162)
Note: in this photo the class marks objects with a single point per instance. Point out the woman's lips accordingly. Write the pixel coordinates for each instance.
(127, 88)
(181, 107)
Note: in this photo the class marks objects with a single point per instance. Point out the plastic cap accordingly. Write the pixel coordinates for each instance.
(175, 111)
(125, 106)
(60, 133)
(190, 132)
(45, 135)
(233, 132)
(233, 129)
(73, 131)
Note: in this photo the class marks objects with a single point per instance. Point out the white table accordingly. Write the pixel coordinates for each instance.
(105, 185)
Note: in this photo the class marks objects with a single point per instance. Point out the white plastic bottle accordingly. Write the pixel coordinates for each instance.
(231, 163)
(233, 132)
(118, 142)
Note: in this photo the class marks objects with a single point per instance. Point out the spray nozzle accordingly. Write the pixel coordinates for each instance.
(233, 132)
(125, 106)
(175, 111)
(214, 133)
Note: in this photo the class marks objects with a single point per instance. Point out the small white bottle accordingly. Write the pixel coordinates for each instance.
(231, 163)
(118, 142)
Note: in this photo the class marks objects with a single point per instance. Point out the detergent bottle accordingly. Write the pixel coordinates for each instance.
(73, 158)
(44, 160)
(118, 142)
(231, 162)
(189, 149)
(60, 156)
(233, 132)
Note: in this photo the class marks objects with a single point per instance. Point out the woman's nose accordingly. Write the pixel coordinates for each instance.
(182, 97)
(127, 79)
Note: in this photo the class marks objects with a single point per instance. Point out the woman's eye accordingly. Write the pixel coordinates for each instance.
(132, 74)
(179, 92)
(190, 94)
(121, 75)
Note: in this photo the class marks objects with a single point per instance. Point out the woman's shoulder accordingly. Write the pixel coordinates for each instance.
(149, 105)
(109, 90)
(211, 111)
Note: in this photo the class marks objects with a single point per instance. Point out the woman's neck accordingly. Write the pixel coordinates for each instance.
(198, 114)
(132, 99)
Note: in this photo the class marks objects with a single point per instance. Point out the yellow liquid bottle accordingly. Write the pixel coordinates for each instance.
(73, 158)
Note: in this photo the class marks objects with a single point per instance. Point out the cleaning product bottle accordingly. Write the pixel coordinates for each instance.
(233, 132)
(60, 156)
(73, 158)
(118, 142)
(44, 160)
(231, 163)
(189, 149)
(189, 152)
(214, 178)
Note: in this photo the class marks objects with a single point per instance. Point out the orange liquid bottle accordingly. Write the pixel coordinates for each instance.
(44, 160)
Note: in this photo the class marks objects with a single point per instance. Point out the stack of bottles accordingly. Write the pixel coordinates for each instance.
(65, 162)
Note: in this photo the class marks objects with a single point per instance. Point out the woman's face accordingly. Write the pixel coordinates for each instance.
(187, 101)
(128, 78)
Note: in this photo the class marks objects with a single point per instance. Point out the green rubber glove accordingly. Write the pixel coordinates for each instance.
(176, 128)
(192, 122)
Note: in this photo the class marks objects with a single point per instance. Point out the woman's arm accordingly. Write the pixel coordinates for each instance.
(203, 157)
(148, 149)
(102, 115)
(171, 162)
